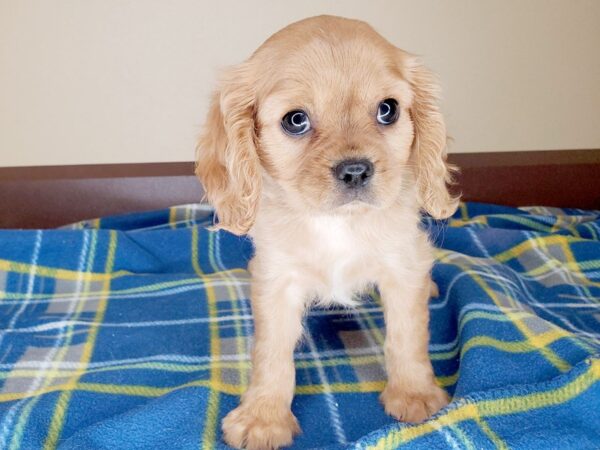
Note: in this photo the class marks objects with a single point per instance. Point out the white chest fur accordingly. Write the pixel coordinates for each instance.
(338, 258)
(332, 257)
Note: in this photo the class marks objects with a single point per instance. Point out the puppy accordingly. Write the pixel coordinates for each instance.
(324, 146)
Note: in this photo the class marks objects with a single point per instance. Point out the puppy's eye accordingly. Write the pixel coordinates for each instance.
(295, 122)
(388, 112)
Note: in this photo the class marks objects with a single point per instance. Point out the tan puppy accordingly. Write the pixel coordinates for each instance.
(324, 146)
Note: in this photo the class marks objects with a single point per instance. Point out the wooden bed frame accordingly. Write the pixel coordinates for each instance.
(50, 196)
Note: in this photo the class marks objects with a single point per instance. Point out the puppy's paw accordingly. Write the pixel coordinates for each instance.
(259, 427)
(413, 406)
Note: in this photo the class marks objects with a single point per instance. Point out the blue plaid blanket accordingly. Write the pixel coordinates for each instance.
(134, 332)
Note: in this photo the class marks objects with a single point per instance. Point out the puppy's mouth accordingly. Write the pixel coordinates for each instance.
(354, 195)
(353, 198)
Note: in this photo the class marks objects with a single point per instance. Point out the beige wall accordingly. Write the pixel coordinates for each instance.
(107, 81)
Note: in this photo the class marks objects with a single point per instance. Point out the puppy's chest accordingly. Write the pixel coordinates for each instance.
(339, 260)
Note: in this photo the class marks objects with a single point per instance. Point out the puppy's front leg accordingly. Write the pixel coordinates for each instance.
(411, 393)
(264, 419)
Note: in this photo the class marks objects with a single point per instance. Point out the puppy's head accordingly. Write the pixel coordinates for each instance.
(326, 116)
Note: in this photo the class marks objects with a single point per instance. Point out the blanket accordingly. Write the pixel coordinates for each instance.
(134, 331)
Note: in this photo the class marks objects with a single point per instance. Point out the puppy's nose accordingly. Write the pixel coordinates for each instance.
(354, 173)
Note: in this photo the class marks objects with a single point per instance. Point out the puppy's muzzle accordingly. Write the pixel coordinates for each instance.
(354, 173)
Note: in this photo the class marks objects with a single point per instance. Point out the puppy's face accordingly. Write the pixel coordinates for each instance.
(325, 116)
(334, 128)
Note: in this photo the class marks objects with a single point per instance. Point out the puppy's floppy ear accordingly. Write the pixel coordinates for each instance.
(226, 159)
(428, 156)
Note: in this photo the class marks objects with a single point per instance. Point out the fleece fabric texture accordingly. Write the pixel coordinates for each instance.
(133, 332)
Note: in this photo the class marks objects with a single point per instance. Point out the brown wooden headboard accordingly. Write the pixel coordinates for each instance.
(49, 196)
